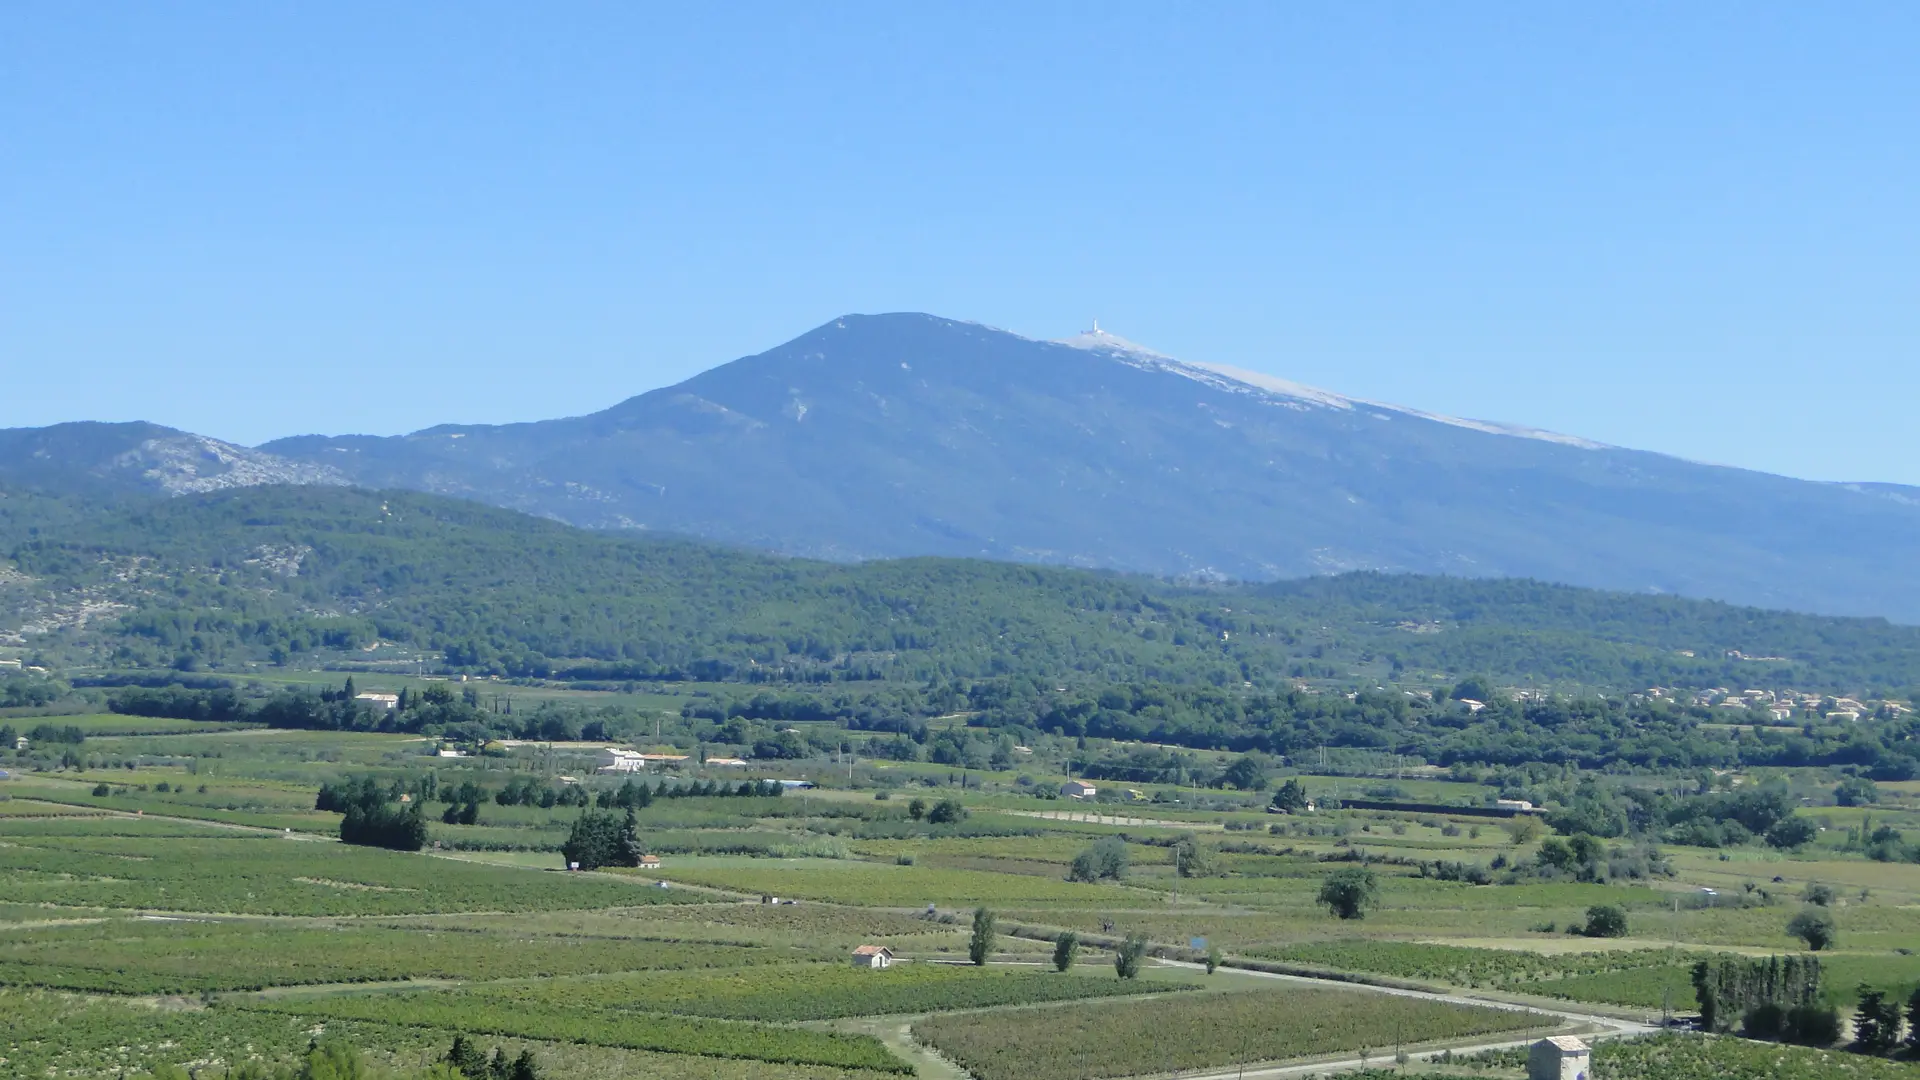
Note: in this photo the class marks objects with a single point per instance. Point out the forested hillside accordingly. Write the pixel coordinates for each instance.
(275, 574)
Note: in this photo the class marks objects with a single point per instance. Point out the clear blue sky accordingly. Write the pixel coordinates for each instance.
(1684, 227)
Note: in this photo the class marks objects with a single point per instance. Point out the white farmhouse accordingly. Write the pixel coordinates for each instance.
(1078, 789)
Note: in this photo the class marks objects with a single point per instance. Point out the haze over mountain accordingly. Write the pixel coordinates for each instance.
(908, 434)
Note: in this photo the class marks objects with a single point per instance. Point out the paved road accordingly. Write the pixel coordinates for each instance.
(1609, 1028)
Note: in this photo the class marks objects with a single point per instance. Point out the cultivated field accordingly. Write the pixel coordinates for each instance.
(197, 909)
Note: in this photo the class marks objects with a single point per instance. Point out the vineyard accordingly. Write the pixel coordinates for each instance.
(1687, 1057)
(563, 1022)
(818, 991)
(885, 885)
(1460, 966)
(110, 724)
(815, 920)
(172, 957)
(1648, 978)
(85, 824)
(259, 874)
(189, 935)
(56, 1034)
(1656, 985)
(1191, 1031)
(20, 808)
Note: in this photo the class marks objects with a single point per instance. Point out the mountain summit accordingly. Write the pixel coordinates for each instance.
(907, 434)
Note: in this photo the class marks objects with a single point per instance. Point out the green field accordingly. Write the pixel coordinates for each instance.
(563, 1022)
(820, 991)
(97, 725)
(59, 1034)
(268, 875)
(174, 956)
(888, 885)
(1684, 1057)
(219, 920)
(1083, 1042)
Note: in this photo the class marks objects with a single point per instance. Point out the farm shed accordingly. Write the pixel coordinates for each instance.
(1559, 1057)
(1078, 789)
(873, 956)
(613, 759)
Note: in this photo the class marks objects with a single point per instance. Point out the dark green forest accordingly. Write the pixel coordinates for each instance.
(279, 575)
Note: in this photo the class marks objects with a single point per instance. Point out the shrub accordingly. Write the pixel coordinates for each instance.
(1856, 791)
(1815, 927)
(1812, 1025)
(1350, 893)
(1190, 859)
(1791, 833)
(1291, 798)
(1105, 860)
(1066, 949)
(1606, 920)
(1126, 959)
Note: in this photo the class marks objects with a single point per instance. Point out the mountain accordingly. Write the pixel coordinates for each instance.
(96, 460)
(906, 434)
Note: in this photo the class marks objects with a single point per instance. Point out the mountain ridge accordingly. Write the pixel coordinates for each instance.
(878, 436)
(91, 457)
(241, 577)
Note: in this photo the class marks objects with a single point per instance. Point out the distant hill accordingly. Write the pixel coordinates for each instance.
(903, 435)
(103, 460)
(257, 575)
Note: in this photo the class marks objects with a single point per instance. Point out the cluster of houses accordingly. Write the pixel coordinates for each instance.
(1785, 706)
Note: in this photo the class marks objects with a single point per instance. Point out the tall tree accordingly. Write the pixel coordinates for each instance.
(980, 944)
